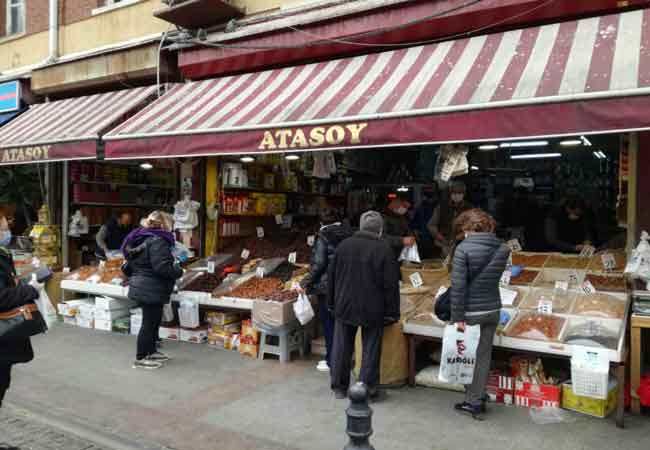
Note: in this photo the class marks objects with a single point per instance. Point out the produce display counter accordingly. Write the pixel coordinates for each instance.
(99, 289)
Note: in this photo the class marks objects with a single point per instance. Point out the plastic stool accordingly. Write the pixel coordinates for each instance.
(290, 338)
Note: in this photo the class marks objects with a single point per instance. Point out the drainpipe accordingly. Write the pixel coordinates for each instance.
(54, 30)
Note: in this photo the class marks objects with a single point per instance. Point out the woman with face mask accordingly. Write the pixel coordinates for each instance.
(12, 295)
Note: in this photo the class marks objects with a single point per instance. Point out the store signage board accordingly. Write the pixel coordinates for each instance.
(9, 96)
(588, 288)
(292, 258)
(320, 136)
(505, 278)
(609, 261)
(245, 253)
(587, 251)
(416, 280)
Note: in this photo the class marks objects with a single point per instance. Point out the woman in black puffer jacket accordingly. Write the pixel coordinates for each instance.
(152, 272)
(12, 295)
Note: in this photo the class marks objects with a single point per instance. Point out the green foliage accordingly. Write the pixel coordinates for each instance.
(19, 185)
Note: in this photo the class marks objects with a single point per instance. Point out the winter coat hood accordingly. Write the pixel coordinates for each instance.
(138, 236)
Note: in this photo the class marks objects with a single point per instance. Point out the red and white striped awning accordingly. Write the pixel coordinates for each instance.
(68, 129)
(585, 76)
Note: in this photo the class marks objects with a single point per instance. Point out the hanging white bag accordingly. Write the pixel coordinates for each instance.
(303, 310)
(410, 254)
(168, 312)
(459, 354)
(46, 308)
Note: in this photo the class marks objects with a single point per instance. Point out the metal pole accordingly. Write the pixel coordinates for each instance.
(359, 419)
(65, 215)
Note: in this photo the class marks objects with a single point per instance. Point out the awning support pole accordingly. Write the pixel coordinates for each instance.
(65, 215)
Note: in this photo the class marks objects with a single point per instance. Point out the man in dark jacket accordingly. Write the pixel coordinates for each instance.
(363, 292)
(111, 235)
(152, 272)
(12, 296)
(331, 234)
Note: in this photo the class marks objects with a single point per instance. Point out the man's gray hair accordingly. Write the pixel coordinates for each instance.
(372, 222)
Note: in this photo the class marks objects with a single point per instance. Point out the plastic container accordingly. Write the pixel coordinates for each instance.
(590, 373)
(561, 302)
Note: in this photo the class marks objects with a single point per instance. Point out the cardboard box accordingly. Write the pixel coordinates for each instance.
(110, 314)
(87, 311)
(195, 335)
(249, 350)
(228, 328)
(501, 388)
(273, 314)
(591, 406)
(85, 322)
(249, 335)
(103, 325)
(531, 395)
(221, 318)
(107, 303)
(220, 340)
(170, 333)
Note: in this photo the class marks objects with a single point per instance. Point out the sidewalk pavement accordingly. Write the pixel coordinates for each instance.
(208, 399)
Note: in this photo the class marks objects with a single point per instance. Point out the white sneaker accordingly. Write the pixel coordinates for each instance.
(322, 366)
(146, 363)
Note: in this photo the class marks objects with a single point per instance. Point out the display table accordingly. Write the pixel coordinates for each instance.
(638, 324)
(417, 333)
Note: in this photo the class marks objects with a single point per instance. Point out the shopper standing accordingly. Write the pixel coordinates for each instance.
(152, 272)
(330, 235)
(12, 295)
(363, 292)
(478, 263)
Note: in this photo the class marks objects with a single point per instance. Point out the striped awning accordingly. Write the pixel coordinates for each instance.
(68, 129)
(6, 117)
(590, 75)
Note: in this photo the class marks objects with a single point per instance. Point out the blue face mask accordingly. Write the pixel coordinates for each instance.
(5, 237)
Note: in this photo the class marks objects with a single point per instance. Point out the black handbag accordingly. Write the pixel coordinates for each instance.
(443, 306)
(21, 323)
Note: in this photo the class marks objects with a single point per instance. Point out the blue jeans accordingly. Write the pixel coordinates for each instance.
(327, 320)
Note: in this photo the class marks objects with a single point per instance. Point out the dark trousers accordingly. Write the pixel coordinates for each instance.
(327, 320)
(344, 336)
(151, 319)
(475, 392)
(5, 380)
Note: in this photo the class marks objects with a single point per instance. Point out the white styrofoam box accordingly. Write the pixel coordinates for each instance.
(104, 325)
(111, 314)
(171, 333)
(87, 311)
(136, 321)
(108, 303)
(85, 322)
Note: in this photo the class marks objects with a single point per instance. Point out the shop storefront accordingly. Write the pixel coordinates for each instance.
(541, 112)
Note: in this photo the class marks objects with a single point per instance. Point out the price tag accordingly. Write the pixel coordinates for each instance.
(245, 254)
(545, 306)
(259, 272)
(562, 286)
(310, 240)
(416, 279)
(587, 251)
(292, 258)
(573, 277)
(505, 278)
(587, 287)
(260, 232)
(278, 219)
(514, 245)
(211, 266)
(609, 262)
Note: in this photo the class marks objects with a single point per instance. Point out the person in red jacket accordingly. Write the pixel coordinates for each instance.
(12, 295)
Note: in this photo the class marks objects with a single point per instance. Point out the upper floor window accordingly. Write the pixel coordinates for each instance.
(15, 17)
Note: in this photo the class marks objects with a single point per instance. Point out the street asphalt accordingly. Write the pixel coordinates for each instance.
(81, 390)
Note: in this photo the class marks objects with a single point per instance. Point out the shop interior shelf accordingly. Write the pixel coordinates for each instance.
(265, 191)
(122, 205)
(140, 185)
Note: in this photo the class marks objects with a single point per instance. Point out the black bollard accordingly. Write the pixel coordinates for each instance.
(359, 419)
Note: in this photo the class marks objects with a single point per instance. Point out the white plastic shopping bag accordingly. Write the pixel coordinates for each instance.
(459, 354)
(410, 254)
(168, 313)
(46, 308)
(638, 265)
(188, 313)
(303, 310)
